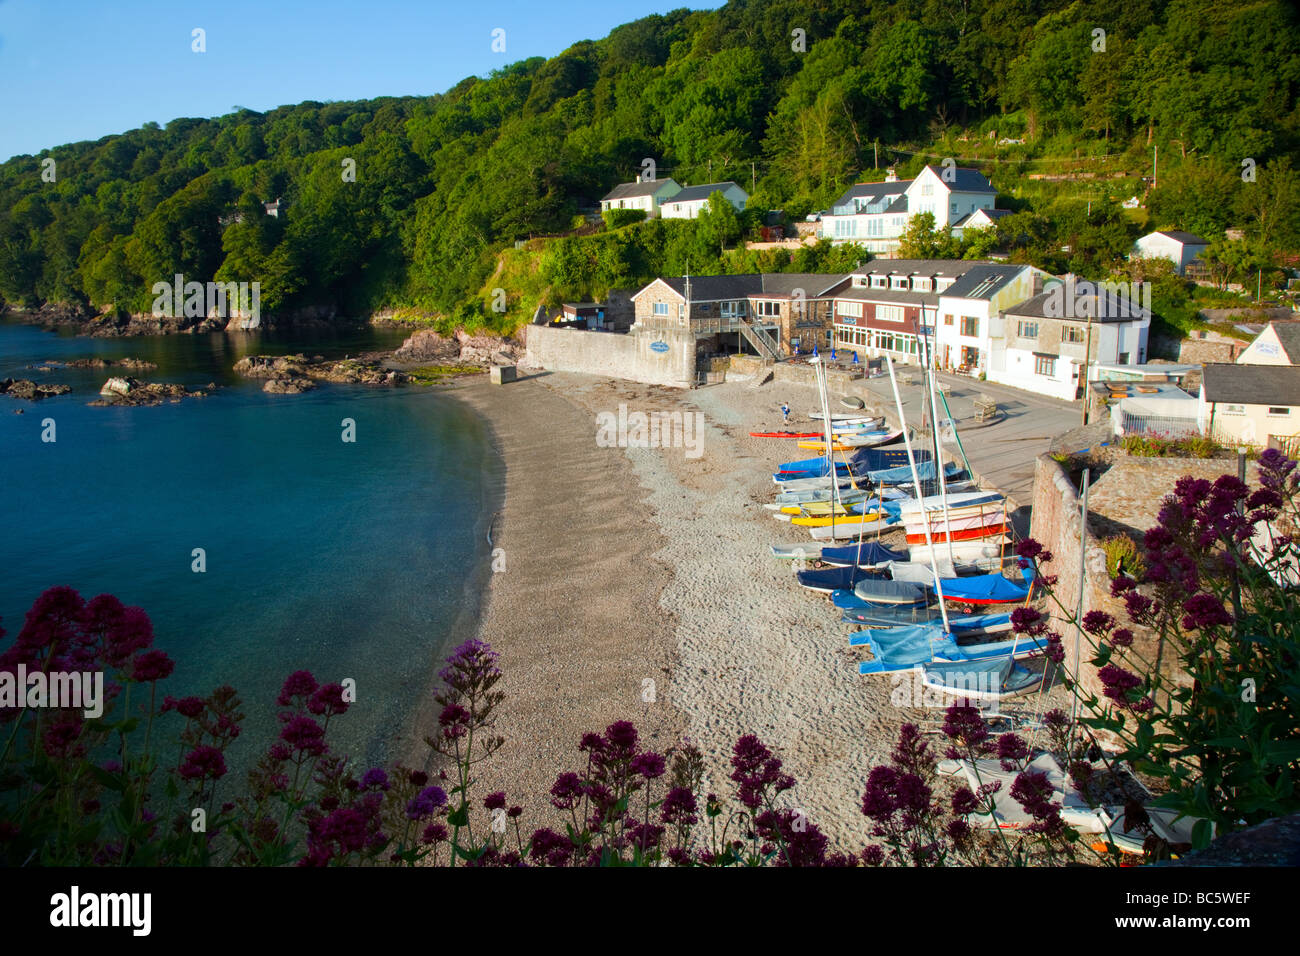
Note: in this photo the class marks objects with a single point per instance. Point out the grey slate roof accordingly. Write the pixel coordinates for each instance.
(691, 193)
(871, 191)
(994, 214)
(633, 190)
(965, 180)
(754, 284)
(1288, 333)
(1107, 307)
(897, 296)
(1252, 384)
(898, 205)
(982, 281)
(1187, 238)
(922, 267)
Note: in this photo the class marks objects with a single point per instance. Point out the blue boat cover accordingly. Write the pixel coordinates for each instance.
(881, 591)
(834, 578)
(870, 554)
(924, 470)
(983, 587)
(870, 459)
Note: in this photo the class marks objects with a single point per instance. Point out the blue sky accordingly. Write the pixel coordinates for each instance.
(73, 70)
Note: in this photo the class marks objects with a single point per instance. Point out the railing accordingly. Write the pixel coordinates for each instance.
(763, 343)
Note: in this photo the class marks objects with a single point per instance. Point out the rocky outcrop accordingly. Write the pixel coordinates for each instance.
(130, 391)
(287, 369)
(288, 386)
(429, 347)
(29, 390)
(139, 365)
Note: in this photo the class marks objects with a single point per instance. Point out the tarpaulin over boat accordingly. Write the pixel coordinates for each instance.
(875, 591)
(831, 579)
(869, 555)
(924, 471)
(983, 589)
(869, 459)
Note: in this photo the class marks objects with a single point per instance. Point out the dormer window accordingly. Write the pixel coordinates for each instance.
(878, 282)
(920, 285)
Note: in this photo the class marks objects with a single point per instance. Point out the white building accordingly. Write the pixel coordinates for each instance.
(979, 219)
(1250, 404)
(1045, 344)
(648, 196)
(969, 313)
(1178, 247)
(1277, 344)
(875, 214)
(688, 203)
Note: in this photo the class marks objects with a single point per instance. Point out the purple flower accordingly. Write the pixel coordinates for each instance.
(297, 684)
(1205, 611)
(304, 735)
(425, 803)
(648, 765)
(755, 771)
(375, 778)
(152, 666)
(328, 699)
(495, 800)
(203, 763)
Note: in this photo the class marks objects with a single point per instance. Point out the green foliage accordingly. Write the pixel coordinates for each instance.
(617, 218)
(1165, 446)
(443, 184)
(1123, 556)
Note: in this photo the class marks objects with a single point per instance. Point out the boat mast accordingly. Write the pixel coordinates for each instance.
(938, 460)
(916, 483)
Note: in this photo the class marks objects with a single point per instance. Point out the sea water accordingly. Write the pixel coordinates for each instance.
(361, 560)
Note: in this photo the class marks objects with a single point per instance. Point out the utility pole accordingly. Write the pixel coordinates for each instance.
(1155, 164)
(753, 178)
(875, 155)
(1087, 365)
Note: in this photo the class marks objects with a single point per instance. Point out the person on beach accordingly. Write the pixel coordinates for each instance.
(785, 413)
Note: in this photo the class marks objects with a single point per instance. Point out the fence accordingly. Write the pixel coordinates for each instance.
(1174, 427)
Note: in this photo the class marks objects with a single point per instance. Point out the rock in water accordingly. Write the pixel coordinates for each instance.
(428, 346)
(119, 386)
(288, 386)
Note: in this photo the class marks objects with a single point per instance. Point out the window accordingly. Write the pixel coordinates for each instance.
(1276, 411)
(941, 284)
(661, 308)
(927, 189)
(1045, 365)
(769, 308)
(852, 309)
(732, 309)
(1234, 409)
(1027, 330)
(970, 325)
(879, 282)
(1072, 334)
(889, 313)
(1123, 358)
(947, 320)
(860, 282)
(898, 282)
(920, 285)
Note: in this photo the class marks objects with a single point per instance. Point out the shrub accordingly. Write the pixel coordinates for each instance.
(1123, 556)
(617, 218)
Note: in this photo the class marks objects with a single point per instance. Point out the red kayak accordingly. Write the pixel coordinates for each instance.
(787, 434)
(965, 534)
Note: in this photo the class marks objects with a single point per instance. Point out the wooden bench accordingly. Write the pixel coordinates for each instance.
(986, 409)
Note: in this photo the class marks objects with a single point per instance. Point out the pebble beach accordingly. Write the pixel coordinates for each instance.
(627, 565)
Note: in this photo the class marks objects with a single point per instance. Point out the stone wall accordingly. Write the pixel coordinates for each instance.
(1205, 351)
(628, 356)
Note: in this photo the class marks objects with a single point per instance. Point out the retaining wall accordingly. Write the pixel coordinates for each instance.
(651, 356)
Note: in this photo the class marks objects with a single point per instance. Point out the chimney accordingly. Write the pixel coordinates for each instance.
(638, 177)
(1038, 283)
(890, 175)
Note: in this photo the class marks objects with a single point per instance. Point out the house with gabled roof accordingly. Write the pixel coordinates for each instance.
(688, 203)
(648, 195)
(1049, 342)
(979, 219)
(875, 215)
(773, 313)
(1180, 248)
(1278, 343)
(1250, 404)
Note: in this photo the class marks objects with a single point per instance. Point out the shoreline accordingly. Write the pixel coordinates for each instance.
(568, 614)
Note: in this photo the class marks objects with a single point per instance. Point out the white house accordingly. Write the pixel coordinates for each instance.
(979, 219)
(1277, 344)
(1046, 343)
(648, 195)
(1250, 404)
(688, 203)
(1178, 247)
(875, 214)
(969, 313)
